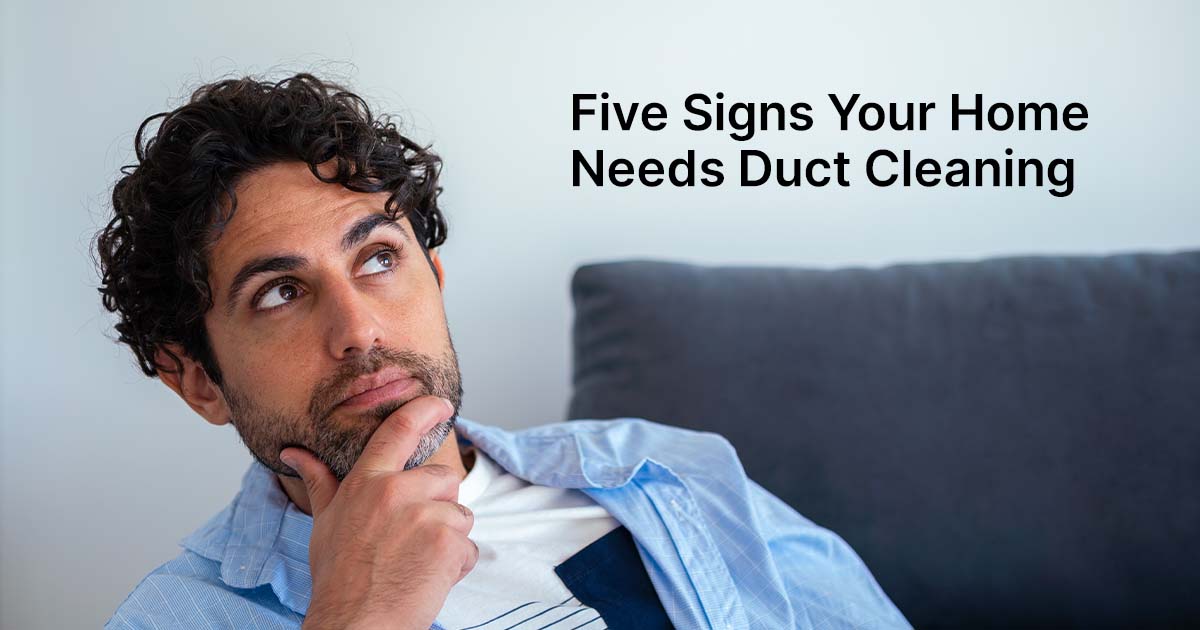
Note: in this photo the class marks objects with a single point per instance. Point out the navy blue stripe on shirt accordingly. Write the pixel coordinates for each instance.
(499, 616)
(559, 605)
(561, 618)
(590, 621)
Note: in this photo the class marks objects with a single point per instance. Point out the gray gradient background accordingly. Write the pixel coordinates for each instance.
(105, 470)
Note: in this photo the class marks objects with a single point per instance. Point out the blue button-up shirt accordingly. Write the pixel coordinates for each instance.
(721, 551)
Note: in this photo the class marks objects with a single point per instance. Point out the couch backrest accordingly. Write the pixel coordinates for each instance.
(1006, 443)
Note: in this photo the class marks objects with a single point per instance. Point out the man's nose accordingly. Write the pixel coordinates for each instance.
(352, 323)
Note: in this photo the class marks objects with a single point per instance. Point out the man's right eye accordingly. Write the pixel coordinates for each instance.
(277, 294)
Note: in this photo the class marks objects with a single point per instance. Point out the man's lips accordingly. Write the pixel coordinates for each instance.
(373, 389)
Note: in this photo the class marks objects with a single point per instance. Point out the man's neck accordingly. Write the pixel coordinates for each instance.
(448, 454)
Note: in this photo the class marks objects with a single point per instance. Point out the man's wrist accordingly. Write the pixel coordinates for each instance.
(315, 620)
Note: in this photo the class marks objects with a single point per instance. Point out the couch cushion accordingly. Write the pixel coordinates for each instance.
(1007, 443)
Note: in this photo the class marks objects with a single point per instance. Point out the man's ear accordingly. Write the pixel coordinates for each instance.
(192, 384)
(437, 263)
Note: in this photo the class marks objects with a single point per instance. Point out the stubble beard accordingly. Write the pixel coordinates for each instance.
(339, 441)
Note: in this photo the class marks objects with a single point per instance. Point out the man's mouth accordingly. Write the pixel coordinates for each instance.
(386, 384)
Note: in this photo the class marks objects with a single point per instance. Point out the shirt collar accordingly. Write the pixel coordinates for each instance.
(575, 454)
(262, 537)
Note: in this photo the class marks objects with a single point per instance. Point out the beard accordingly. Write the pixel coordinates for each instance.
(338, 442)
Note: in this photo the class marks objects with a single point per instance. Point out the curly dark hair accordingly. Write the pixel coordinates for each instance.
(172, 205)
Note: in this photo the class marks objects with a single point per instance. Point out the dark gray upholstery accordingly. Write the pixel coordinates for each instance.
(1012, 443)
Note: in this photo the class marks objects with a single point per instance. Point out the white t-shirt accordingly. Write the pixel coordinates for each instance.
(523, 532)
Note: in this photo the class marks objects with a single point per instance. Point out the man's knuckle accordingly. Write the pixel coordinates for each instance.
(423, 514)
(444, 540)
(472, 555)
(392, 491)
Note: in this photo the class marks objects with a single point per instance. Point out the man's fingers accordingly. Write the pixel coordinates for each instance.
(442, 482)
(395, 441)
(320, 483)
(469, 565)
(454, 515)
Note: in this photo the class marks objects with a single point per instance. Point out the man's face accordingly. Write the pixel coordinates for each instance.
(342, 302)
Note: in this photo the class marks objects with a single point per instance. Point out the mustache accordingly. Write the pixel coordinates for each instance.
(330, 392)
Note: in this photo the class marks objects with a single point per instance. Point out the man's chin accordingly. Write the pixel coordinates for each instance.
(341, 456)
(431, 442)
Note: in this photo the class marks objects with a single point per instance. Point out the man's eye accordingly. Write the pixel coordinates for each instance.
(383, 260)
(278, 295)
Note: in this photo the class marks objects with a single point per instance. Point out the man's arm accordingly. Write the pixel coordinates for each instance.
(827, 584)
(187, 592)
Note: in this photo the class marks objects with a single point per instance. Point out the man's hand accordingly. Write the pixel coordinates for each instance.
(387, 544)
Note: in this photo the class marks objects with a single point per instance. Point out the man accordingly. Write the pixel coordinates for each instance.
(272, 257)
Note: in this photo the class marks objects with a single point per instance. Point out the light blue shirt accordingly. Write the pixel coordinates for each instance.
(721, 551)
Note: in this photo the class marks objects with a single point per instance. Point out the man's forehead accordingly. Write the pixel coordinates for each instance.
(280, 200)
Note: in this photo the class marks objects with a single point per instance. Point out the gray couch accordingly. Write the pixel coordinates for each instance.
(1012, 443)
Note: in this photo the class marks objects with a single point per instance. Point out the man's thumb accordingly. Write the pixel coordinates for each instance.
(319, 482)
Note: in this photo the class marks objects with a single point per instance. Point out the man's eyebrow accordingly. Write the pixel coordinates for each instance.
(265, 264)
(356, 234)
(363, 227)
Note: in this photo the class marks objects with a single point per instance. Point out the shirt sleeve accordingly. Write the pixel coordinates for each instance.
(827, 584)
(187, 593)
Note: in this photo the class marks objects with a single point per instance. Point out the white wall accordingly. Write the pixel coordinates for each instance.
(104, 470)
